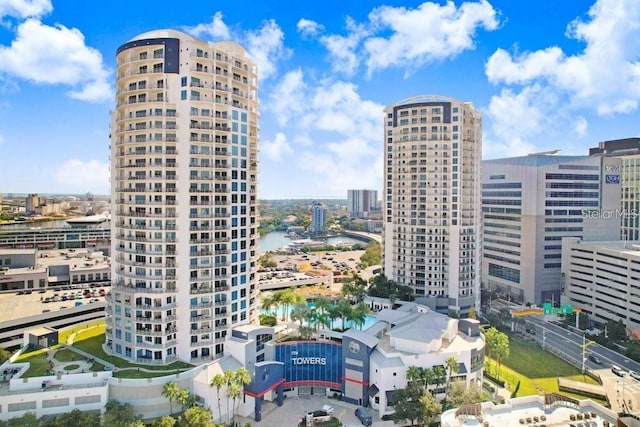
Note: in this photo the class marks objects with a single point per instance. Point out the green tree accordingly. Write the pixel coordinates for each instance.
(196, 416)
(405, 403)
(185, 398)
(300, 312)
(74, 418)
(460, 394)
(119, 414)
(240, 379)
(166, 421)
(372, 255)
(27, 420)
(4, 355)
(218, 381)
(171, 391)
(355, 287)
(451, 364)
(266, 260)
(344, 310)
(268, 301)
(414, 375)
(440, 375)
(428, 376)
(382, 287)
(358, 314)
(430, 408)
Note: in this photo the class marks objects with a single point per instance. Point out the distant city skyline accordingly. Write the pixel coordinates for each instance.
(560, 75)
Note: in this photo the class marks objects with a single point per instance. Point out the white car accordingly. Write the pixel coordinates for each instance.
(328, 409)
(634, 375)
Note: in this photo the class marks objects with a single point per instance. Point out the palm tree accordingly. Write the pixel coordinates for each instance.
(185, 399)
(344, 309)
(356, 287)
(268, 301)
(229, 377)
(171, 391)
(241, 377)
(440, 374)
(300, 312)
(359, 314)
(452, 367)
(333, 313)
(321, 319)
(413, 374)
(218, 381)
(321, 303)
(428, 376)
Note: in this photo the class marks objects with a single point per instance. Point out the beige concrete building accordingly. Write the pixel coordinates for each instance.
(529, 203)
(184, 174)
(431, 202)
(603, 278)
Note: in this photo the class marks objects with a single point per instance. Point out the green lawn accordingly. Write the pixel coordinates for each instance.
(93, 345)
(64, 355)
(536, 369)
(39, 365)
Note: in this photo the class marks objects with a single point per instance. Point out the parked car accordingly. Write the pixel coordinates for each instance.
(634, 375)
(363, 416)
(617, 370)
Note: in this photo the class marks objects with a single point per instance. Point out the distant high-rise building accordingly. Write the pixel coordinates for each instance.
(529, 204)
(318, 218)
(431, 200)
(32, 202)
(183, 186)
(360, 203)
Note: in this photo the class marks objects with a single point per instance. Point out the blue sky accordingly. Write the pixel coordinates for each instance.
(546, 75)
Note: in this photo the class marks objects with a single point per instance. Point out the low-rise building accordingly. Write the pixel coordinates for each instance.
(30, 269)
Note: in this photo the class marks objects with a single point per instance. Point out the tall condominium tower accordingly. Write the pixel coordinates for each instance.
(360, 203)
(432, 154)
(183, 185)
(529, 204)
(318, 217)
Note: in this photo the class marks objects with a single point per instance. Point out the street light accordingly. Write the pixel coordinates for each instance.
(584, 346)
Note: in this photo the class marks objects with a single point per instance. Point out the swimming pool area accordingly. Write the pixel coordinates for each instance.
(336, 323)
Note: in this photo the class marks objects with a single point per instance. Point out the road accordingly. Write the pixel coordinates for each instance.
(623, 392)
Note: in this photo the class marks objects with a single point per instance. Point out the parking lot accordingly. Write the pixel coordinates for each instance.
(14, 305)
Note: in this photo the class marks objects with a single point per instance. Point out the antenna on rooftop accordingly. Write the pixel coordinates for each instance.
(545, 153)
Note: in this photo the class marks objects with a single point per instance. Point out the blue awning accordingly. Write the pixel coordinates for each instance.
(373, 390)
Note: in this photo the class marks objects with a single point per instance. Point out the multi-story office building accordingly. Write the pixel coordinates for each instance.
(318, 218)
(432, 152)
(360, 203)
(628, 150)
(603, 278)
(529, 204)
(183, 180)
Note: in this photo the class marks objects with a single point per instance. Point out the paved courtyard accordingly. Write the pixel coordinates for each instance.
(294, 408)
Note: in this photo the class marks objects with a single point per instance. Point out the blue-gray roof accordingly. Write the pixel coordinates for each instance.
(536, 160)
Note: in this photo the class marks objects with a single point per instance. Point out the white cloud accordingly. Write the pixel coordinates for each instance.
(345, 149)
(580, 126)
(56, 55)
(276, 148)
(343, 49)
(288, 97)
(516, 118)
(23, 9)
(266, 46)
(78, 175)
(604, 76)
(409, 38)
(216, 29)
(429, 32)
(307, 27)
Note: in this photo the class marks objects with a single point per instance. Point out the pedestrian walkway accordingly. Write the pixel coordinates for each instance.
(80, 366)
